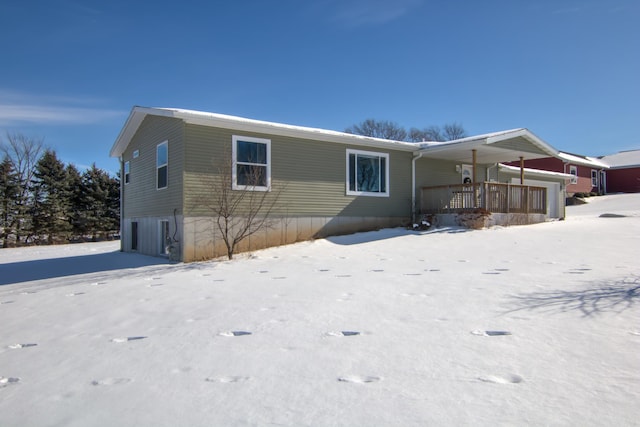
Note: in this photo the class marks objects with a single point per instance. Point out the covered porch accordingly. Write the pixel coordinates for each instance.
(474, 180)
(490, 196)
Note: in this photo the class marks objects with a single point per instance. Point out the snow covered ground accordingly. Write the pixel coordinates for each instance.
(533, 325)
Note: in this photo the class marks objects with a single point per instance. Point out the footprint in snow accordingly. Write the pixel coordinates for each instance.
(501, 379)
(16, 346)
(490, 333)
(343, 333)
(7, 381)
(119, 340)
(111, 381)
(357, 379)
(234, 333)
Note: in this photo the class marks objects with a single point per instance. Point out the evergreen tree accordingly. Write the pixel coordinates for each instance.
(101, 202)
(76, 202)
(8, 195)
(51, 206)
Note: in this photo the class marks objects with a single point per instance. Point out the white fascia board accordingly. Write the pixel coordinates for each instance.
(488, 139)
(272, 128)
(534, 172)
(138, 114)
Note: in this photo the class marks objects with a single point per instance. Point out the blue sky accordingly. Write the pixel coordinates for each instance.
(568, 70)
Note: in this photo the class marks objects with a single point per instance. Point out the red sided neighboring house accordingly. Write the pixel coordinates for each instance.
(589, 174)
(623, 175)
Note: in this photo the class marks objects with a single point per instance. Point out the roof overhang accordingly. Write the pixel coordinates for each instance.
(582, 160)
(138, 114)
(535, 173)
(498, 147)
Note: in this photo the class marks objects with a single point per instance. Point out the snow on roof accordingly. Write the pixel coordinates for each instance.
(250, 125)
(427, 144)
(582, 160)
(623, 159)
(536, 172)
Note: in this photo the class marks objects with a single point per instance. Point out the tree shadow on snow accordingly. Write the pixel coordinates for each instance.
(606, 297)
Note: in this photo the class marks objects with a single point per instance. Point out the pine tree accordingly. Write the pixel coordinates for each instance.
(101, 202)
(51, 206)
(77, 217)
(8, 196)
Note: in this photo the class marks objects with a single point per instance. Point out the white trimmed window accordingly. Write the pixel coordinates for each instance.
(162, 165)
(594, 178)
(367, 173)
(573, 170)
(127, 169)
(251, 163)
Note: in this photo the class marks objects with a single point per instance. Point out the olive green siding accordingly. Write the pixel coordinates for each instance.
(140, 197)
(308, 177)
(520, 144)
(434, 172)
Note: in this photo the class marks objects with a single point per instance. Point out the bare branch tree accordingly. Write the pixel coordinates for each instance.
(379, 129)
(454, 131)
(431, 133)
(23, 152)
(243, 211)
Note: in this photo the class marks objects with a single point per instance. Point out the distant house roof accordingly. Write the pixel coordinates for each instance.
(496, 147)
(623, 159)
(582, 160)
(138, 114)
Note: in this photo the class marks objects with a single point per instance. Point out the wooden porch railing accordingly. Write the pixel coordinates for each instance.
(492, 196)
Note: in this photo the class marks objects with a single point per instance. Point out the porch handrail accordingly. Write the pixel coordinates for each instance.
(491, 196)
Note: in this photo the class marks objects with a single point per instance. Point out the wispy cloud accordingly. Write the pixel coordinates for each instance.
(356, 13)
(19, 108)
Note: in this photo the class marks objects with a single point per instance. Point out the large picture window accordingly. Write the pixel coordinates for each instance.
(367, 173)
(251, 163)
(162, 165)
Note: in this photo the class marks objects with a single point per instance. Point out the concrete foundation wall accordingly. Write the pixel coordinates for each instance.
(502, 219)
(202, 239)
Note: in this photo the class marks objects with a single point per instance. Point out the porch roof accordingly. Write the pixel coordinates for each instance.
(497, 147)
(536, 173)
